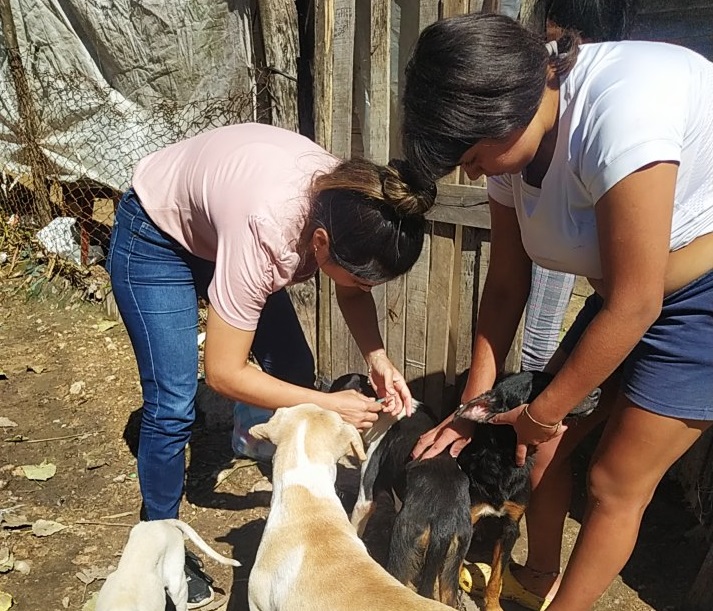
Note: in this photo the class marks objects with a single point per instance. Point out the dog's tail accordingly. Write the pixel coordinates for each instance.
(201, 544)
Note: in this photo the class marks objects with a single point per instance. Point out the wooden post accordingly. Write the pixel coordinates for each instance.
(440, 294)
(455, 7)
(333, 69)
(29, 119)
(417, 289)
(279, 35)
(323, 67)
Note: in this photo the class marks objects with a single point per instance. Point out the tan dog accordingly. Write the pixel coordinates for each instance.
(310, 557)
(151, 565)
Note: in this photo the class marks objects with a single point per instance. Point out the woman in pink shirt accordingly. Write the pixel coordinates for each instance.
(237, 214)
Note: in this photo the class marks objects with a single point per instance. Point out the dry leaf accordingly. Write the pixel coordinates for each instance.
(7, 560)
(88, 575)
(22, 566)
(42, 472)
(6, 422)
(77, 387)
(35, 368)
(91, 603)
(65, 602)
(105, 325)
(5, 601)
(45, 528)
(19, 521)
(94, 462)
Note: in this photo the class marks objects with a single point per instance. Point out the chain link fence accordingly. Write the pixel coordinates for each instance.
(60, 181)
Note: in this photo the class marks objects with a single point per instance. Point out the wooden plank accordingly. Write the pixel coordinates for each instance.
(469, 282)
(379, 82)
(428, 13)
(417, 288)
(454, 7)
(461, 195)
(29, 126)
(304, 300)
(514, 356)
(342, 77)
(477, 215)
(396, 322)
(438, 311)
(491, 6)
(454, 311)
(343, 347)
(323, 69)
(279, 34)
(324, 326)
(512, 360)
(461, 205)
(378, 117)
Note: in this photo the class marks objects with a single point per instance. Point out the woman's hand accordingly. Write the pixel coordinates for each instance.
(456, 434)
(353, 407)
(389, 384)
(530, 432)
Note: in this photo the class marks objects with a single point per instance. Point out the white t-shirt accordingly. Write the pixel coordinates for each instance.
(623, 106)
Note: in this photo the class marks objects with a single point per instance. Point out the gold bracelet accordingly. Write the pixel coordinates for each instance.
(537, 422)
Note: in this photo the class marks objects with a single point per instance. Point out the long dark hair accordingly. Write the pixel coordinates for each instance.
(373, 215)
(471, 77)
(595, 20)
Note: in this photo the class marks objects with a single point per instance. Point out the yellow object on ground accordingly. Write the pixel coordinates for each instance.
(478, 574)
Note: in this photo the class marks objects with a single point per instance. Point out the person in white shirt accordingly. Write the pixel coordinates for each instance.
(598, 159)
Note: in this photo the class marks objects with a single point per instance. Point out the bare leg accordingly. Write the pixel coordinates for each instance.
(635, 451)
(552, 486)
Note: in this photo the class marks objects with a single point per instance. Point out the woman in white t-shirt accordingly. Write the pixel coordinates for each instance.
(599, 161)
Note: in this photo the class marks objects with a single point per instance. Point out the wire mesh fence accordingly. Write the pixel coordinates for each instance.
(61, 180)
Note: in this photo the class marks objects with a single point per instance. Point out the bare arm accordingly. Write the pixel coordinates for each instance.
(359, 311)
(229, 373)
(507, 286)
(505, 293)
(634, 226)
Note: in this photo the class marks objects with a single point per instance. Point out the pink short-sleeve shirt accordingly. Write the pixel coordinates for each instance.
(238, 196)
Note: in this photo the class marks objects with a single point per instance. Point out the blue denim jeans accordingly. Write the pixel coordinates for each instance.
(156, 284)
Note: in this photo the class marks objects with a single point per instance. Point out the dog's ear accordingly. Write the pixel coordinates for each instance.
(264, 431)
(479, 409)
(354, 441)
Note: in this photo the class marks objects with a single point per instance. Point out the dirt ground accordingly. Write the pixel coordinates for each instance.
(69, 383)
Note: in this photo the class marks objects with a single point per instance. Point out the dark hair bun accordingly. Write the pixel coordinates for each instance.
(405, 190)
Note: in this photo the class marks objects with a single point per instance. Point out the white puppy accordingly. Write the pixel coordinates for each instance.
(310, 557)
(151, 565)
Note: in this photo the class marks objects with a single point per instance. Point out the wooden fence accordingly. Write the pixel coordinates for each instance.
(426, 317)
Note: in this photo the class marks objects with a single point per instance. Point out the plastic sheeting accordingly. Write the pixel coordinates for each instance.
(113, 80)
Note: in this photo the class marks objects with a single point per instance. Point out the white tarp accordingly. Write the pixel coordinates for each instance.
(113, 80)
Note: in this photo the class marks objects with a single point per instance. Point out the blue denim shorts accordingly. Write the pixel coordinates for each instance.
(670, 371)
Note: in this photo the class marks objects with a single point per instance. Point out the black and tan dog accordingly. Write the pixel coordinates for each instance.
(443, 499)
(414, 516)
(498, 487)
